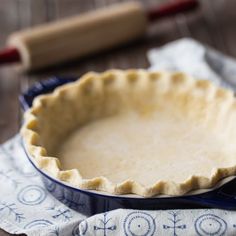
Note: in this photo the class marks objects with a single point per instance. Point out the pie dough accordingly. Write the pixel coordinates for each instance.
(146, 133)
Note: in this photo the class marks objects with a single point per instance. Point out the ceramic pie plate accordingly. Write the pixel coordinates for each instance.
(90, 202)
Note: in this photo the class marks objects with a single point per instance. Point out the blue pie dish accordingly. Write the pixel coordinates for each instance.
(92, 202)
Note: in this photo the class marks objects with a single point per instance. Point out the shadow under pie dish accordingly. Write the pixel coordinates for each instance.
(138, 132)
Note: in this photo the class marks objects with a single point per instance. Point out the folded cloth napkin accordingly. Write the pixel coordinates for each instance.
(26, 207)
(198, 60)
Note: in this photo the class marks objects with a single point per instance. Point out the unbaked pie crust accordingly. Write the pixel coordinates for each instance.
(134, 131)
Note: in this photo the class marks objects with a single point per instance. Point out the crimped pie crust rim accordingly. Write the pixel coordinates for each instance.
(51, 165)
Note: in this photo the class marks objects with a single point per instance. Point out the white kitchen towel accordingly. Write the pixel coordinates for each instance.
(196, 59)
(26, 207)
(207, 222)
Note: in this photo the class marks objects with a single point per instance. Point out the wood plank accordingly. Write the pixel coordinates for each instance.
(225, 12)
(9, 83)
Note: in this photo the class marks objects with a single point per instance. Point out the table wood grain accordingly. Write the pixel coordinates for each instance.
(214, 24)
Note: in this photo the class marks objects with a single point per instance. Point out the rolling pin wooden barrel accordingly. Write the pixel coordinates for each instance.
(84, 34)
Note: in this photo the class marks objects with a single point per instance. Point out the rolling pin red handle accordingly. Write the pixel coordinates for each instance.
(9, 55)
(12, 55)
(170, 9)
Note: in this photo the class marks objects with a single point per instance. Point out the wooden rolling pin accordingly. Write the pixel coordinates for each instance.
(87, 33)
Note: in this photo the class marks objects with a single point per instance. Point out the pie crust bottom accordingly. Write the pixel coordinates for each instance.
(145, 149)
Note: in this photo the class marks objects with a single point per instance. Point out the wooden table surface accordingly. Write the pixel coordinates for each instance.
(214, 24)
